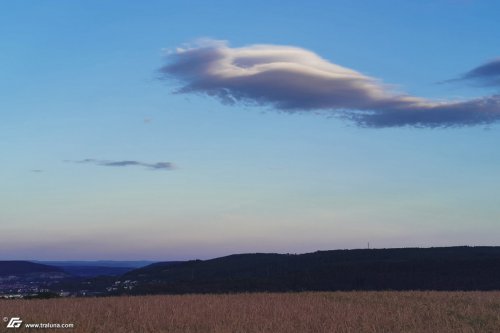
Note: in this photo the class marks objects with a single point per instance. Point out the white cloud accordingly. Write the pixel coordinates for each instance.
(294, 79)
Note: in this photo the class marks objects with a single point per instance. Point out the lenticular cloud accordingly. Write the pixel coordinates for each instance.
(293, 79)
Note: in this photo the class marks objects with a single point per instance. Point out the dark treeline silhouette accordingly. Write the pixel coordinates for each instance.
(445, 268)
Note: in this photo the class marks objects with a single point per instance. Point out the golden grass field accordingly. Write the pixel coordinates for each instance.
(357, 312)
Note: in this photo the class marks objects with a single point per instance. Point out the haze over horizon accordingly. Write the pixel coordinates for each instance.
(175, 131)
(105, 262)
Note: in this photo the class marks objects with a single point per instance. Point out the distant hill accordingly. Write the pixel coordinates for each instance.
(19, 267)
(97, 267)
(92, 271)
(443, 268)
(99, 263)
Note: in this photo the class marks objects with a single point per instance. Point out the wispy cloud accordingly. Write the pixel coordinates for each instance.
(293, 79)
(487, 74)
(153, 166)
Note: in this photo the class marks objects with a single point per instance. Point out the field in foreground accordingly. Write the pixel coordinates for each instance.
(262, 312)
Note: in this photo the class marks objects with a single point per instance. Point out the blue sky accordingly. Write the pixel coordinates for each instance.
(80, 80)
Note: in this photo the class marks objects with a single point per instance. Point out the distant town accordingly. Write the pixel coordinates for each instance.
(24, 279)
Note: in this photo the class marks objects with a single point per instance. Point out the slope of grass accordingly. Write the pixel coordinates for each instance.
(274, 312)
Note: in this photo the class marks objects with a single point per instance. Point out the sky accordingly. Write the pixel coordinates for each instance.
(176, 130)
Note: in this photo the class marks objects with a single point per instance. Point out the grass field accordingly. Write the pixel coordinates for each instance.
(276, 313)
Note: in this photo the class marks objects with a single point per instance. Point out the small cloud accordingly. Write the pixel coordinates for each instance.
(161, 165)
(488, 74)
(293, 79)
(153, 166)
(36, 170)
(120, 163)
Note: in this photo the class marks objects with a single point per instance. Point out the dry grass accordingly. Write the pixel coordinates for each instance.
(276, 313)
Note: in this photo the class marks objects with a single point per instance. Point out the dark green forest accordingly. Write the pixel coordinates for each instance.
(443, 268)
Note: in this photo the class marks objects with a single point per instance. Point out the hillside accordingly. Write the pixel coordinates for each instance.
(99, 263)
(92, 271)
(98, 267)
(19, 267)
(445, 268)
